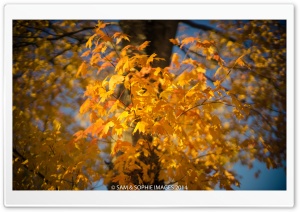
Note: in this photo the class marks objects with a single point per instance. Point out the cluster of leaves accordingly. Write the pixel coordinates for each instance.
(44, 59)
(221, 101)
(192, 128)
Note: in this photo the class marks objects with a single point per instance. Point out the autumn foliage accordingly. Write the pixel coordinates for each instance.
(221, 101)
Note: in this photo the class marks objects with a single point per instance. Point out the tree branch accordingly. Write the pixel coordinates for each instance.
(207, 28)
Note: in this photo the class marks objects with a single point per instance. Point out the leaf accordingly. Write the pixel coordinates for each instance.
(107, 126)
(101, 24)
(93, 117)
(150, 59)
(188, 40)
(240, 62)
(79, 135)
(86, 53)
(217, 84)
(120, 146)
(175, 60)
(25, 162)
(123, 115)
(167, 127)
(184, 79)
(119, 36)
(174, 41)
(85, 106)
(114, 107)
(56, 124)
(89, 42)
(82, 70)
(114, 80)
(141, 126)
(143, 45)
(103, 35)
(199, 69)
(157, 128)
(216, 121)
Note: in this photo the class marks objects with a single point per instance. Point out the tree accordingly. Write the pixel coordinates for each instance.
(182, 120)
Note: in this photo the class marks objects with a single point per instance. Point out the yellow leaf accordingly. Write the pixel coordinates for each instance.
(200, 70)
(211, 50)
(230, 43)
(114, 107)
(89, 42)
(107, 126)
(150, 59)
(141, 126)
(25, 162)
(114, 80)
(101, 24)
(56, 125)
(123, 115)
(146, 152)
(217, 83)
(184, 79)
(157, 71)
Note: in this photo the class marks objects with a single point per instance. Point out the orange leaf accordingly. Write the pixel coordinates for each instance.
(85, 106)
(120, 146)
(82, 69)
(143, 45)
(175, 60)
(188, 40)
(86, 53)
(120, 36)
(174, 41)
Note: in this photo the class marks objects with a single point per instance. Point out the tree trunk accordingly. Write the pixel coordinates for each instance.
(158, 33)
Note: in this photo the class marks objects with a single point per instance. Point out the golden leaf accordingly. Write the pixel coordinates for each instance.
(85, 106)
(143, 45)
(107, 126)
(141, 126)
(82, 69)
(89, 42)
(188, 40)
(86, 53)
(114, 80)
